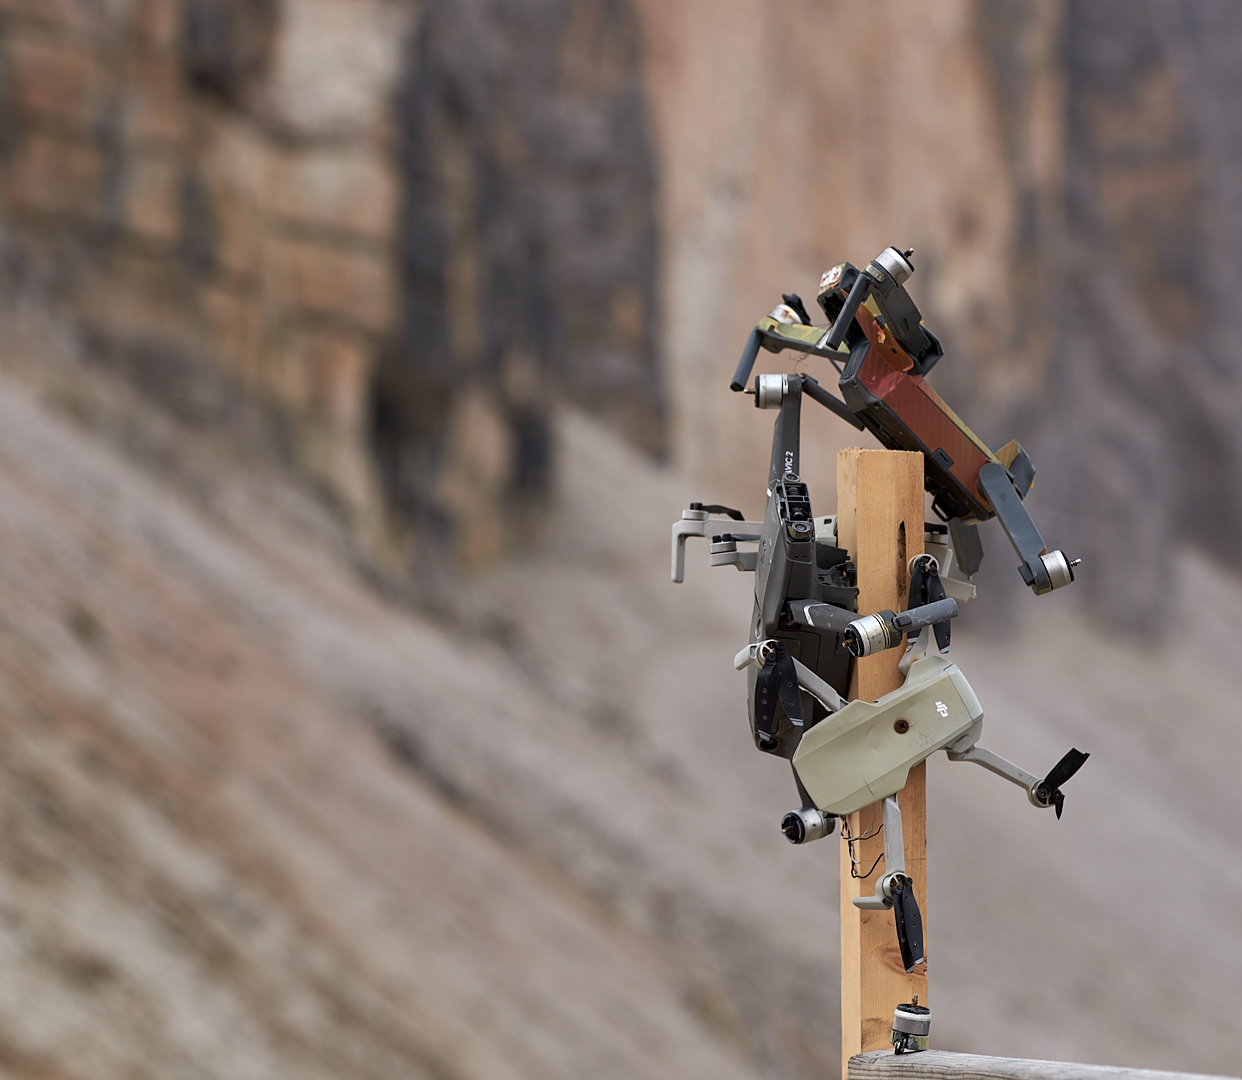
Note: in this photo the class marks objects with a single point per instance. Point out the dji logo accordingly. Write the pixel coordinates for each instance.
(942, 708)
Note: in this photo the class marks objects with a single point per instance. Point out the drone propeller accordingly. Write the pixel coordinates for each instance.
(794, 301)
(909, 922)
(1049, 789)
(777, 681)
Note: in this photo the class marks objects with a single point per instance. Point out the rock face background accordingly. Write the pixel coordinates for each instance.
(1137, 247)
(408, 231)
(207, 189)
(528, 268)
(356, 356)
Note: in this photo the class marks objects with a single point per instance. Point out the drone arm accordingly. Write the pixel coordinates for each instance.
(882, 630)
(894, 843)
(692, 523)
(895, 889)
(776, 335)
(999, 765)
(786, 434)
(1041, 569)
(818, 689)
(862, 285)
(1043, 793)
(829, 401)
(894, 860)
(742, 375)
(820, 616)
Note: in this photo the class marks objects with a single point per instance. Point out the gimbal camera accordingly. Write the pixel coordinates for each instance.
(805, 628)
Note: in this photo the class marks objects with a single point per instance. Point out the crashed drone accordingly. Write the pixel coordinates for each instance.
(806, 628)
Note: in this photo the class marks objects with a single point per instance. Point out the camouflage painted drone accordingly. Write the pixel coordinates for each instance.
(888, 352)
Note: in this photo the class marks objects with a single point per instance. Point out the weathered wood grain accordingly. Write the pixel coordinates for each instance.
(880, 522)
(941, 1064)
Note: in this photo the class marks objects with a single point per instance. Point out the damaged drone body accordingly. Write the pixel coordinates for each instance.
(805, 629)
(863, 751)
(883, 353)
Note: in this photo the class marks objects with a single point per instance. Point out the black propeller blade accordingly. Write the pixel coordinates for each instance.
(1049, 789)
(909, 922)
(777, 681)
(794, 301)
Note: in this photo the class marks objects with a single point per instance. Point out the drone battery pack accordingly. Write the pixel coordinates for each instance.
(881, 388)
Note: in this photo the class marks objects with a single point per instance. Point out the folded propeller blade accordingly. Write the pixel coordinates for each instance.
(909, 923)
(794, 301)
(1049, 790)
(777, 681)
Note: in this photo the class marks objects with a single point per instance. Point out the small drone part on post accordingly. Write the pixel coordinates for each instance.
(806, 824)
(896, 264)
(1060, 569)
(872, 634)
(886, 629)
(771, 390)
(911, 1027)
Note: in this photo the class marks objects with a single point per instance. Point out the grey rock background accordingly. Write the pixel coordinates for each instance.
(1130, 273)
(529, 269)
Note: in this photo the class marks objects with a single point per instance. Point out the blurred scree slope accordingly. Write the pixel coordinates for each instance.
(302, 295)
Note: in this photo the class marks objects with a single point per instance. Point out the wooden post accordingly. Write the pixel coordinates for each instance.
(880, 523)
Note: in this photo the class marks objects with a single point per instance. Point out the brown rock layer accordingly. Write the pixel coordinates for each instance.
(206, 186)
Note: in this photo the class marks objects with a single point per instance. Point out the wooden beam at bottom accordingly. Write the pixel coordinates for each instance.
(942, 1065)
(880, 523)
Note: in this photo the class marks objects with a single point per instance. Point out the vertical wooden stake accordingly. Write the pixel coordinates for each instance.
(880, 523)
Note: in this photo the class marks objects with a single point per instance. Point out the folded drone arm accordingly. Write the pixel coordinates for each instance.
(694, 522)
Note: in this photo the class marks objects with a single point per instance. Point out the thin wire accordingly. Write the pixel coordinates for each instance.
(850, 841)
(831, 359)
(863, 877)
(803, 356)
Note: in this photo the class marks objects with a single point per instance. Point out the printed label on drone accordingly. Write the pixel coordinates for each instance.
(942, 708)
(789, 461)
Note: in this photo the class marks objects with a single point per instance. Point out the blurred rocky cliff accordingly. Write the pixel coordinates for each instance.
(205, 189)
(296, 290)
(403, 230)
(409, 230)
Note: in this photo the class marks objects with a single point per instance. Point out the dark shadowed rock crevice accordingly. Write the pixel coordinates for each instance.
(226, 45)
(528, 250)
(1127, 280)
